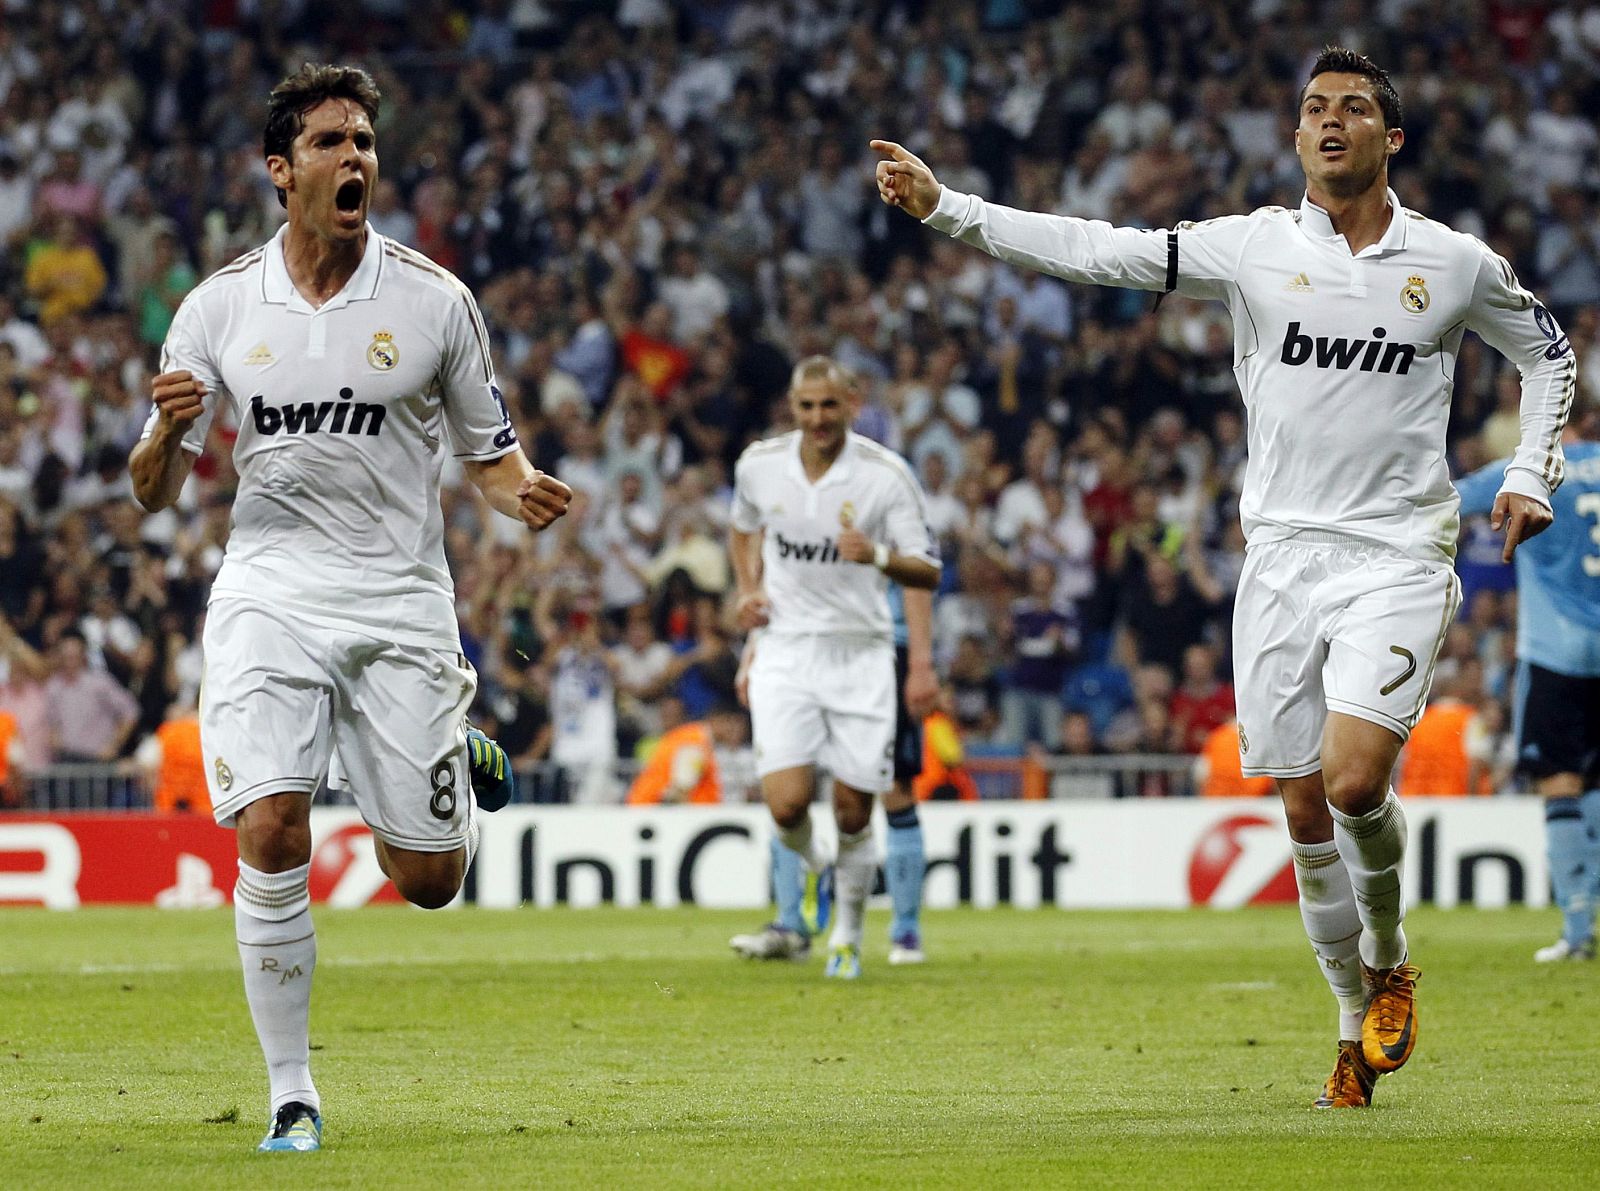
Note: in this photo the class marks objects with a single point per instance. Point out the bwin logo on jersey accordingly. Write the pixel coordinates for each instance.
(825, 551)
(1365, 355)
(315, 417)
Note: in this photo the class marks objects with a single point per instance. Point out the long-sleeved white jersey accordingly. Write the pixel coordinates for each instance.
(1345, 360)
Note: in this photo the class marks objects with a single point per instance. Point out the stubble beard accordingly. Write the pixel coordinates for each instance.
(1348, 184)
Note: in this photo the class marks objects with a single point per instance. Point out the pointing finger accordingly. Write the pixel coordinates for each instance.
(1513, 535)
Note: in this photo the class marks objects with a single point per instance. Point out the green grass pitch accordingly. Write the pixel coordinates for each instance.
(632, 1049)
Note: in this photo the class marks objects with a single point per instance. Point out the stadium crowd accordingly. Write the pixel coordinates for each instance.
(660, 207)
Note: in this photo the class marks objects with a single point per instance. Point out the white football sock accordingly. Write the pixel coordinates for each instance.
(799, 840)
(278, 950)
(1328, 909)
(852, 885)
(1373, 847)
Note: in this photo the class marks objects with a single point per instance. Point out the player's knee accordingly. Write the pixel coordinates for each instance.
(788, 814)
(1355, 788)
(274, 834)
(852, 819)
(427, 879)
(1309, 824)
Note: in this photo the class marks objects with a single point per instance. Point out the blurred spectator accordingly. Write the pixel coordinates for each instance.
(643, 665)
(64, 275)
(162, 288)
(974, 689)
(173, 766)
(1167, 609)
(944, 777)
(1435, 761)
(695, 296)
(1218, 769)
(1078, 737)
(24, 698)
(13, 768)
(1202, 703)
(583, 701)
(682, 765)
(1044, 641)
(91, 714)
(1491, 748)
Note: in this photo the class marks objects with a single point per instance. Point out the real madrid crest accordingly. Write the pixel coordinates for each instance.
(384, 355)
(224, 775)
(1414, 297)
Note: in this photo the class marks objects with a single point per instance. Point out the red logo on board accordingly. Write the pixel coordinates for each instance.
(1237, 862)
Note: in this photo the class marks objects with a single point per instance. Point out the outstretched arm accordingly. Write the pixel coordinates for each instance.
(1088, 251)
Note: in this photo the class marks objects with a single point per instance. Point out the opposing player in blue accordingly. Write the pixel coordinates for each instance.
(1557, 710)
(802, 900)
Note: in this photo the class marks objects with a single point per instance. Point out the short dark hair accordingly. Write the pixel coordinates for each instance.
(313, 84)
(1342, 61)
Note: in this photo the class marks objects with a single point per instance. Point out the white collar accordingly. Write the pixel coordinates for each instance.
(276, 286)
(1319, 225)
(838, 471)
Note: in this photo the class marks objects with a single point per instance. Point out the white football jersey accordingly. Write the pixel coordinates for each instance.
(812, 589)
(1345, 361)
(345, 412)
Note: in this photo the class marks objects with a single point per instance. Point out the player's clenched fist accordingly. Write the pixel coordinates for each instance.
(179, 396)
(542, 500)
(904, 181)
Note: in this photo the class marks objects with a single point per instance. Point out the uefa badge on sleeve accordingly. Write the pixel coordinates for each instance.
(383, 354)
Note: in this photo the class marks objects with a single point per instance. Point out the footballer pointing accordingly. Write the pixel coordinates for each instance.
(1348, 312)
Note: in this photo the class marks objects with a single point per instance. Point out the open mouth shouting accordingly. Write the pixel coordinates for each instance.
(1332, 148)
(349, 201)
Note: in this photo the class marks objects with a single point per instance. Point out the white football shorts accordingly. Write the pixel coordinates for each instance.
(826, 701)
(282, 697)
(1332, 624)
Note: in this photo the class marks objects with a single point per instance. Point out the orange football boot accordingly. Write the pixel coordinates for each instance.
(1350, 1085)
(1389, 1031)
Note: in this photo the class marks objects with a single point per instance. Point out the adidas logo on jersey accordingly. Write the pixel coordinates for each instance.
(260, 355)
(1364, 355)
(1299, 284)
(825, 551)
(314, 417)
